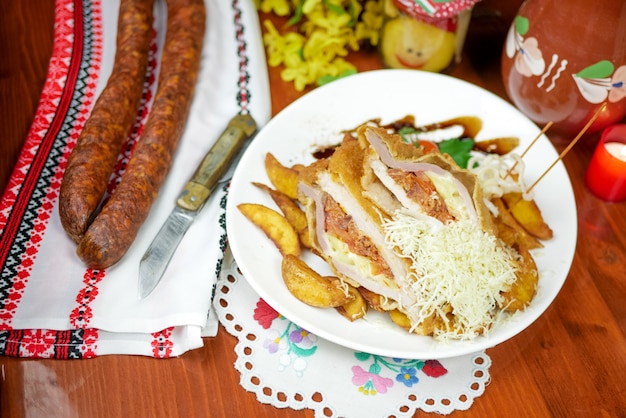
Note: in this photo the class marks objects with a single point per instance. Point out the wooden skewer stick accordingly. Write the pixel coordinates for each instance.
(570, 146)
(543, 131)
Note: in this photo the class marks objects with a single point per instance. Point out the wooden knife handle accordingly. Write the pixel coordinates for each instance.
(216, 162)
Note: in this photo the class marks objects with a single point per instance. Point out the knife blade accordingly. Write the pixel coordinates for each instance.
(214, 166)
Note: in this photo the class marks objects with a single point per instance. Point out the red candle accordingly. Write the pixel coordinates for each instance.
(606, 174)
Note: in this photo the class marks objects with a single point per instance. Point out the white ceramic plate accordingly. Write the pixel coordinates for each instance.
(315, 120)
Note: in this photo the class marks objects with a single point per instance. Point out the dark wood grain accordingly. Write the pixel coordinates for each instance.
(571, 362)
(26, 29)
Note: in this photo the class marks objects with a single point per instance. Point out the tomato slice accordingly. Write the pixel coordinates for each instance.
(428, 146)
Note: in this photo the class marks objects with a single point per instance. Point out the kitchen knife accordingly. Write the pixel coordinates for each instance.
(191, 200)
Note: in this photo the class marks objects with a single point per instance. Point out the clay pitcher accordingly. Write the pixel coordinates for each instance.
(563, 59)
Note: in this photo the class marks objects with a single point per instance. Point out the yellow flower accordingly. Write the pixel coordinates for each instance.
(321, 34)
(334, 24)
(279, 7)
(368, 27)
(300, 75)
(319, 46)
(341, 66)
(281, 48)
(309, 5)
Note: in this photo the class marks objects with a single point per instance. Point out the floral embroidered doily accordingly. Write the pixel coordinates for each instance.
(287, 367)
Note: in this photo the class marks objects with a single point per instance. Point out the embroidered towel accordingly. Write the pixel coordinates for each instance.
(51, 306)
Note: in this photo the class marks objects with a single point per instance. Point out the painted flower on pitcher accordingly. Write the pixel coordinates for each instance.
(528, 58)
(373, 381)
(601, 81)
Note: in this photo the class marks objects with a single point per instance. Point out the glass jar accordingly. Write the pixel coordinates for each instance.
(562, 60)
(424, 34)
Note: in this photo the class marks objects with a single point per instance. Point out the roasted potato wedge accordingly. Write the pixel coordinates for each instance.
(506, 233)
(310, 287)
(274, 225)
(523, 290)
(499, 146)
(522, 236)
(262, 186)
(292, 211)
(356, 308)
(400, 319)
(283, 178)
(373, 299)
(528, 214)
(511, 198)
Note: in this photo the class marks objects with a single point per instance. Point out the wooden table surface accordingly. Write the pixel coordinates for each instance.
(570, 362)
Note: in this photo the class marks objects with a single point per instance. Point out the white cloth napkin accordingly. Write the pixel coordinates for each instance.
(49, 301)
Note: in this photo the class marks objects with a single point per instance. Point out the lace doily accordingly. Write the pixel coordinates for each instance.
(287, 367)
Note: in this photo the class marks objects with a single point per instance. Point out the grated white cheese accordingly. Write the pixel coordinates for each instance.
(492, 170)
(456, 265)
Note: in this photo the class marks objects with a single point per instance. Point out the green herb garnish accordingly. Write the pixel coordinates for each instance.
(458, 148)
(408, 134)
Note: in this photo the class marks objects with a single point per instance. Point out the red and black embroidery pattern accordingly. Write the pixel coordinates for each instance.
(29, 198)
